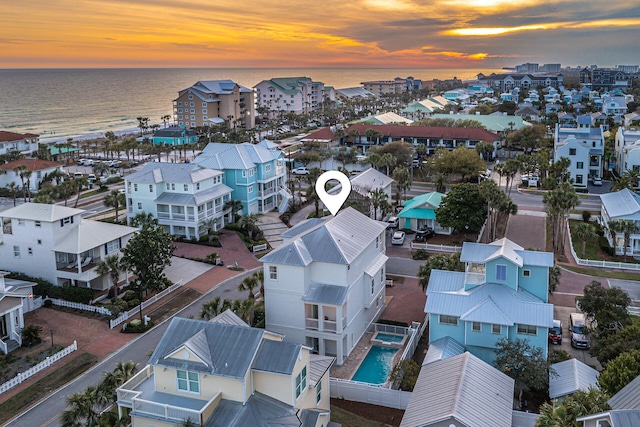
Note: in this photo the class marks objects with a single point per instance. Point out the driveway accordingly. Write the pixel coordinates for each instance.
(527, 229)
(271, 226)
(562, 314)
(185, 269)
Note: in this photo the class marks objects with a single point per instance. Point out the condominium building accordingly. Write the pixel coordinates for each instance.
(385, 87)
(290, 95)
(215, 102)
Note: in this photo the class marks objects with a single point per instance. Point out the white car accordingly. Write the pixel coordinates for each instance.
(300, 171)
(398, 238)
(597, 181)
(393, 222)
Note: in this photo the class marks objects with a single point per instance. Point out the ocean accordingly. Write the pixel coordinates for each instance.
(85, 103)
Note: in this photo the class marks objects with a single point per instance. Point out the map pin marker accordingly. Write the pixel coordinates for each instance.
(333, 202)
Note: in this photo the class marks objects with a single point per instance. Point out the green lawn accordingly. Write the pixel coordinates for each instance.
(349, 419)
(608, 274)
(592, 248)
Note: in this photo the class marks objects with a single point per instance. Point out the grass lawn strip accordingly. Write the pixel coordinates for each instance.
(350, 419)
(607, 274)
(50, 383)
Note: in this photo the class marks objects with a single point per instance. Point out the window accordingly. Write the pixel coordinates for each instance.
(168, 186)
(190, 97)
(572, 151)
(244, 173)
(197, 185)
(38, 224)
(150, 188)
(448, 320)
(476, 326)
(496, 329)
(188, 381)
(186, 187)
(318, 392)
(501, 272)
(580, 165)
(373, 286)
(250, 189)
(21, 222)
(139, 205)
(112, 246)
(578, 179)
(301, 382)
(527, 329)
(526, 273)
(30, 251)
(273, 272)
(16, 251)
(267, 168)
(173, 186)
(39, 241)
(135, 187)
(204, 105)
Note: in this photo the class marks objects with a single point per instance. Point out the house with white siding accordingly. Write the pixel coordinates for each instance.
(621, 205)
(326, 284)
(16, 299)
(25, 143)
(584, 147)
(627, 150)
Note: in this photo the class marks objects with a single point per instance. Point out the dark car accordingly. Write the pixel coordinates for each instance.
(555, 333)
(424, 235)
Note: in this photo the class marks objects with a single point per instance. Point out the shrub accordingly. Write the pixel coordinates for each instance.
(407, 372)
(133, 303)
(48, 303)
(586, 216)
(31, 335)
(128, 295)
(136, 326)
(420, 254)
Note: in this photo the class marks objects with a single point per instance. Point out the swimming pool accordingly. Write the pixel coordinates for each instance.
(376, 366)
(388, 337)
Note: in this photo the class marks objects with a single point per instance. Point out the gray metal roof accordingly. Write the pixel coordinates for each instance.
(441, 349)
(338, 241)
(483, 252)
(193, 199)
(227, 350)
(375, 266)
(570, 376)
(326, 294)
(235, 156)
(371, 179)
(230, 318)
(276, 356)
(318, 366)
(628, 397)
(40, 212)
(90, 234)
(621, 203)
(303, 227)
(156, 172)
(618, 417)
(487, 303)
(309, 417)
(174, 132)
(468, 390)
(259, 411)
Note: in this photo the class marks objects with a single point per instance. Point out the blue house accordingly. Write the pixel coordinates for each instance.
(503, 293)
(420, 212)
(255, 174)
(175, 136)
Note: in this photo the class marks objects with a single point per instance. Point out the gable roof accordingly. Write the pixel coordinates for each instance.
(386, 118)
(318, 366)
(230, 318)
(174, 132)
(260, 410)
(31, 164)
(422, 206)
(157, 172)
(621, 203)
(441, 349)
(491, 122)
(469, 390)
(276, 356)
(628, 397)
(40, 212)
(370, 179)
(6, 136)
(619, 418)
(235, 156)
(338, 240)
(487, 303)
(483, 252)
(570, 376)
(90, 234)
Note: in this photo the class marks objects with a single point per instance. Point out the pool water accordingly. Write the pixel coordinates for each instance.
(388, 337)
(376, 366)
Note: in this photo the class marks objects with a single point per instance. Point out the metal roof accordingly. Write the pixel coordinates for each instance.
(156, 172)
(91, 234)
(618, 417)
(370, 179)
(628, 397)
(318, 366)
(303, 227)
(493, 123)
(339, 240)
(229, 348)
(309, 417)
(422, 206)
(174, 132)
(260, 410)
(506, 306)
(505, 248)
(441, 349)
(570, 376)
(621, 203)
(468, 390)
(276, 356)
(235, 156)
(375, 266)
(326, 294)
(199, 198)
(230, 318)
(40, 212)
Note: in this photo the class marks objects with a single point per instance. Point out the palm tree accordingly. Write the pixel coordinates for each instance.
(584, 232)
(13, 187)
(248, 223)
(115, 199)
(615, 227)
(84, 409)
(111, 265)
(211, 309)
(378, 198)
(165, 119)
(235, 206)
(79, 183)
(249, 284)
(19, 170)
(143, 218)
(441, 183)
(628, 228)
(122, 373)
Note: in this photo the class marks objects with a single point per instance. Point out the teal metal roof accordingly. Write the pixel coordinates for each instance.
(422, 206)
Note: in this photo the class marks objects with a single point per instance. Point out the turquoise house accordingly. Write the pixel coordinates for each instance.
(174, 136)
(503, 293)
(420, 212)
(255, 173)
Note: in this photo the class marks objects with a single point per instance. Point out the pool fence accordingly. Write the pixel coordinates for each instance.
(368, 393)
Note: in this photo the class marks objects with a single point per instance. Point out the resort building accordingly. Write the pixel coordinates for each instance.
(627, 150)
(607, 78)
(353, 93)
(497, 123)
(424, 108)
(584, 146)
(16, 299)
(506, 82)
(385, 87)
(27, 173)
(174, 136)
(503, 293)
(186, 199)
(290, 95)
(54, 242)
(621, 205)
(255, 174)
(419, 213)
(326, 283)
(219, 374)
(215, 102)
(25, 143)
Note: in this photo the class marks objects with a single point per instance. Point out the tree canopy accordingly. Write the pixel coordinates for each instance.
(620, 372)
(438, 262)
(524, 363)
(463, 209)
(462, 161)
(607, 306)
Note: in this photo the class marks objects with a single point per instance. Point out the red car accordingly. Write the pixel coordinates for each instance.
(555, 333)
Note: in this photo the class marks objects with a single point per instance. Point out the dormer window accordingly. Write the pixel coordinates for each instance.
(501, 272)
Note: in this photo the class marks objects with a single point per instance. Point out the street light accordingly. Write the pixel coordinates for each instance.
(51, 331)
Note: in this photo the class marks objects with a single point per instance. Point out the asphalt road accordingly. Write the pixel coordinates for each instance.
(47, 411)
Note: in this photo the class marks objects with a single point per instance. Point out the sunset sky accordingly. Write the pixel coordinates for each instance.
(326, 33)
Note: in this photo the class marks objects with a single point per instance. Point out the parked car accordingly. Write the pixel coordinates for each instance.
(114, 164)
(398, 238)
(578, 331)
(597, 181)
(555, 333)
(424, 234)
(77, 175)
(91, 177)
(392, 222)
(300, 171)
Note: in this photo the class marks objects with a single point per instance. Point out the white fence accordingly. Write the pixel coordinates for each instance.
(79, 306)
(437, 248)
(390, 329)
(600, 263)
(368, 393)
(39, 367)
(127, 314)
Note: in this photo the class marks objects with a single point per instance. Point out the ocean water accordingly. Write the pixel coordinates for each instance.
(83, 103)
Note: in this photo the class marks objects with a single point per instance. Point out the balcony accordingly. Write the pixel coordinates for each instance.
(328, 325)
(267, 192)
